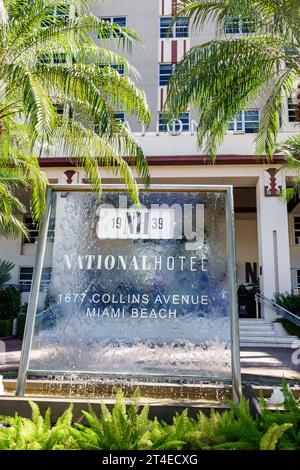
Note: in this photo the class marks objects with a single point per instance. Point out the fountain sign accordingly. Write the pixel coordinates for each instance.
(144, 292)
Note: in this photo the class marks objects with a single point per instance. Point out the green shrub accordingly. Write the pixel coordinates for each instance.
(5, 328)
(21, 320)
(10, 303)
(289, 327)
(289, 301)
(5, 269)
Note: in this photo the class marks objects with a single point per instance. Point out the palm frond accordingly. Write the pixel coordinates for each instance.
(48, 59)
(5, 268)
(221, 78)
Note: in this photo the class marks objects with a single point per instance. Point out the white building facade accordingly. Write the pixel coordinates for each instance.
(267, 230)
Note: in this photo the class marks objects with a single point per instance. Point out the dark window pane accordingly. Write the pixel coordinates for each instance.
(165, 71)
(32, 229)
(164, 27)
(291, 111)
(120, 117)
(232, 25)
(120, 21)
(248, 25)
(59, 58)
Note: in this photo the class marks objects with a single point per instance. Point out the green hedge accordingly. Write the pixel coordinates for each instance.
(21, 326)
(131, 429)
(289, 327)
(5, 328)
(10, 303)
(291, 302)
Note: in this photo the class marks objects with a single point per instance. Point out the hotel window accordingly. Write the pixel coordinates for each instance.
(57, 58)
(56, 14)
(119, 20)
(26, 276)
(291, 111)
(239, 25)
(32, 229)
(180, 29)
(176, 126)
(292, 53)
(297, 230)
(298, 277)
(120, 68)
(165, 71)
(62, 110)
(120, 117)
(245, 122)
(116, 20)
(25, 279)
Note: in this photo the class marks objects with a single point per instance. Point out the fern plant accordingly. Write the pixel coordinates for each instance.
(121, 429)
(114, 430)
(272, 436)
(291, 438)
(37, 433)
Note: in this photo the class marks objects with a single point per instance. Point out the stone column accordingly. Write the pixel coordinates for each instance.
(273, 236)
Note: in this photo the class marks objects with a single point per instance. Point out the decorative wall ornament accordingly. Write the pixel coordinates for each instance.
(69, 174)
(273, 186)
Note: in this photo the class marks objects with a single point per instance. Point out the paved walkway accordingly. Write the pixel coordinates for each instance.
(9, 354)
(258, 364)
(271, 363)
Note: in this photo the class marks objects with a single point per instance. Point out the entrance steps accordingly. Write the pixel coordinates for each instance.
(257, 333)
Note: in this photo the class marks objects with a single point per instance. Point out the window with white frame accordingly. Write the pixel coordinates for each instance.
(57, 58)
(26, 276)
(59, 13)
(63, 110)
(291, 111)
(292, 53)
(245, 122)
(182, 124)
(297, 230)
(32, 230)
(120, 68)
(180, 28)
(118, 116)
(165, 72)
(239, 25)
(118, 21)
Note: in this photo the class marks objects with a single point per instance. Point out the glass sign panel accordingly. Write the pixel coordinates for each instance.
(140, 291)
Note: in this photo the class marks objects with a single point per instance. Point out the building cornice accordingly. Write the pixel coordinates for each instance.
(175, 160)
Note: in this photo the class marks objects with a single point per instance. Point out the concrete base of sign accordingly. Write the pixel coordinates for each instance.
(164, 400)
(172, 399)
(93, 390)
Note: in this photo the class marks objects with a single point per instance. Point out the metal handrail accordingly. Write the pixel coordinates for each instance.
(278, 309)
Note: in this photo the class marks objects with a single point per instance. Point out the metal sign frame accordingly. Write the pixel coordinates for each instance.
(232, 273)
